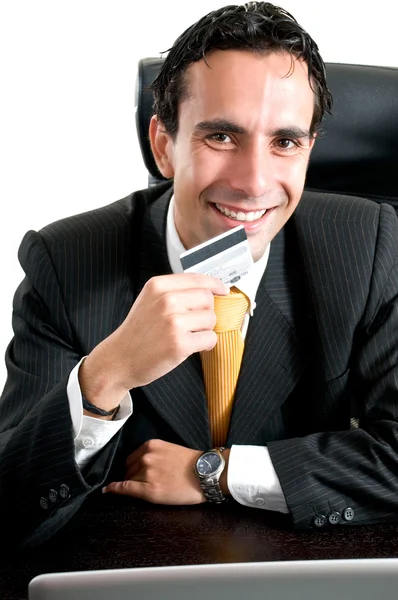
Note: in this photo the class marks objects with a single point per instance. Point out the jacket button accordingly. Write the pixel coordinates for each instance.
(319, 521)
(348, 514)
(44, 503)
(53, 496)
(334, 517)
(64, 491)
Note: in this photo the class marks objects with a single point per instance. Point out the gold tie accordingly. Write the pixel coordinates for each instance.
(221, 365)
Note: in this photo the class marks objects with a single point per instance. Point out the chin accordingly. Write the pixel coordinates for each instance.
(258, 250)
(257, 253)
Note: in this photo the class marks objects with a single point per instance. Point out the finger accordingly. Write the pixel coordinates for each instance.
(133, 468)
(151, 446)
(136, 472)
(200, 341)
(134, 463)
(135, 489)
(179, 301)
(184, 281)
(194, 320)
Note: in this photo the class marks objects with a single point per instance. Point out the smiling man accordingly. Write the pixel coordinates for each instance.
(242, 146)
(106, 385)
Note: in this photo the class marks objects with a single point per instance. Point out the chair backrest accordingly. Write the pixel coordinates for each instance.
(357, 152)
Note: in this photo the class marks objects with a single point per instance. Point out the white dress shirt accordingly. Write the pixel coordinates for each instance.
(252, 479)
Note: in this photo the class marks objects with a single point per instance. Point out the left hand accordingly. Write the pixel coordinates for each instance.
(162, 473)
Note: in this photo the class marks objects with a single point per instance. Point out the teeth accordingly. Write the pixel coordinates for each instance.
(241, 216)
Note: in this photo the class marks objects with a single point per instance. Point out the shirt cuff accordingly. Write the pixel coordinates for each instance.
(91, 434)
(252, 479)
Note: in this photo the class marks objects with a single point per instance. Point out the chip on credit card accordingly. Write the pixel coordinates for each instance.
(226, 256)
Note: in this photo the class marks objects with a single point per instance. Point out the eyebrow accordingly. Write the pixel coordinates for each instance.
(220, 125)
(225, 126)
(294, 132)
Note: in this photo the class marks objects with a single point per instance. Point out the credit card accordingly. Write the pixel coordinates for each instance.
(226, 256)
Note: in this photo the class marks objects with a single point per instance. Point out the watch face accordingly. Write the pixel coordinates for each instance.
(208, 463)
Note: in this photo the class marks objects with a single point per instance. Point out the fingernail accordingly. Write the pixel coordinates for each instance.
(104, 490)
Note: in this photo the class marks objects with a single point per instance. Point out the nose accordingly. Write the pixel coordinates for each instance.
(251, 170)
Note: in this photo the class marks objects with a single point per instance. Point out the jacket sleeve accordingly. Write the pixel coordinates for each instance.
(41, 486)
(355, 470)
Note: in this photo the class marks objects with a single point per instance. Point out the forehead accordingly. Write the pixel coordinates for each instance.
(249, 87)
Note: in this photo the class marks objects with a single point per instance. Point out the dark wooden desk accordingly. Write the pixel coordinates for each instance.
(119, 534)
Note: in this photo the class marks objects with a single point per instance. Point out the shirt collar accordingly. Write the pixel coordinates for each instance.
(248, 284)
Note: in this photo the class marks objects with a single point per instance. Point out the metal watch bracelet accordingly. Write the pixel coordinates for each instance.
(213, 491)
(211, 486)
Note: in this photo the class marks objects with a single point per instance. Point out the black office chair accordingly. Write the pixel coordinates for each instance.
(357, 153)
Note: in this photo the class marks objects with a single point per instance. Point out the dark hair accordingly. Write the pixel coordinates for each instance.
(257, 26)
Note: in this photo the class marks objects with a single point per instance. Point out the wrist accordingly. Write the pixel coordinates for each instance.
(99, 387)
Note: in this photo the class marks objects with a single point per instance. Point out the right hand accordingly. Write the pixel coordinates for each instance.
(172, 318)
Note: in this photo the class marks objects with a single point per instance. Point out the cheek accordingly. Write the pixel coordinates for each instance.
(207, 166)
(192, 169)
(291, 174)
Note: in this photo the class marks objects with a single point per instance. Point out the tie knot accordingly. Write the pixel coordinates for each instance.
(230, 310)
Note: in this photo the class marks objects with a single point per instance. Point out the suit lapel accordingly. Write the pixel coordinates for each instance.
(178, 396)
(274, 356)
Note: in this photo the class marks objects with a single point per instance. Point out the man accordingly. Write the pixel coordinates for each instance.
(105, 386)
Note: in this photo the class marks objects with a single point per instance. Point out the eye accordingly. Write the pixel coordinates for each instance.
(220, 138)
(286, 144)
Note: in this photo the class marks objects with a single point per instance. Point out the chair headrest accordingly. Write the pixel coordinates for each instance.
(357, 152)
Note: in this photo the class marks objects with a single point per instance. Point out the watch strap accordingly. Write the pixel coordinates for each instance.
(212, 491)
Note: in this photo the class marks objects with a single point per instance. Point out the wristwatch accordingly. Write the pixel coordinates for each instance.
(208, 468)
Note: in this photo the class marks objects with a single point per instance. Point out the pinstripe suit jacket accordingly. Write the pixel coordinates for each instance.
(321, 348)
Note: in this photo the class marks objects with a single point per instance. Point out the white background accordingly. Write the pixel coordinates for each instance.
(67, 78)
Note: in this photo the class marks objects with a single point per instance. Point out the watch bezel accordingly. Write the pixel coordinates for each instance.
(219, 469)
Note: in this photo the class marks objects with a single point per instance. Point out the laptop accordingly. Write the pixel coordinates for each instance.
(353, 579)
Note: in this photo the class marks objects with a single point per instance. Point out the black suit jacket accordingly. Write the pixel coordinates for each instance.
(321, 349)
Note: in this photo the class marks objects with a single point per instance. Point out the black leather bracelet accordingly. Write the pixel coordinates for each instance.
(98, 411)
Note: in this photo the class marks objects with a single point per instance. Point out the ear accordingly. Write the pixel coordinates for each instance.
(162, 147)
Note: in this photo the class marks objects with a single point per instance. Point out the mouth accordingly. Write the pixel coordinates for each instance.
(250, 219)
(241, 216)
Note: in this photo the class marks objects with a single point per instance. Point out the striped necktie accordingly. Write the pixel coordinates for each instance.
(221, 365)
